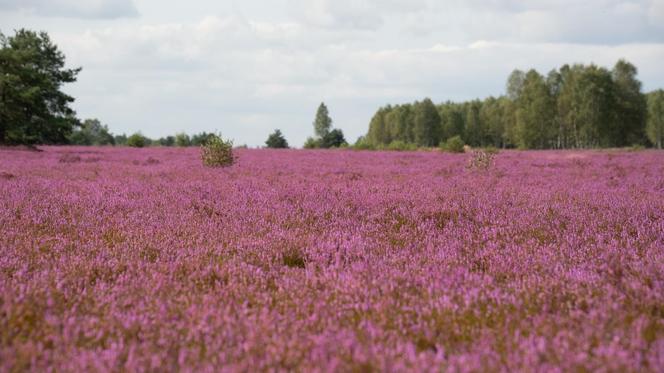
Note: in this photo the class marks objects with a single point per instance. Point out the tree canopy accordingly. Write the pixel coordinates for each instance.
(33, 109)
(578, 106)
(276, 140)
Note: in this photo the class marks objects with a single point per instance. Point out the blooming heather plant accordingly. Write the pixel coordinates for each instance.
(331, 261)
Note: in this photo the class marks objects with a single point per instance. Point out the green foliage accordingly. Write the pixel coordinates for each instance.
(311, 143)
(91, 132)
(33, 109)
(137, 140)
(217, 152)
(399, 145)
(201, 138)
(333, 139)
(323, 122)
(453, 145)
(276, 140)
(426, 123)
(363, 144)
(655, 125)
(167, 141)
(576, 106)
(120, 139)
(535, 109)
(182, 139)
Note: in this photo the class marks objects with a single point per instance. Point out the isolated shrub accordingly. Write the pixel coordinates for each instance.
(481, 160)
(636, 148)
(276, 140)
(453, 145)
(217, 152)
(136, 140)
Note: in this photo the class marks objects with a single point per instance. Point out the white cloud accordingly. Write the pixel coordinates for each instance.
(74, 8)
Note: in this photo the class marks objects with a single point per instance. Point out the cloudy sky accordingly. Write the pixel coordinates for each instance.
(247, 67)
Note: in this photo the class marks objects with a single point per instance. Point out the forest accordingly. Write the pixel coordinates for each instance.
(577, 106)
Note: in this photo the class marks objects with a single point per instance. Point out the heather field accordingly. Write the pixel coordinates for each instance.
(117, 259)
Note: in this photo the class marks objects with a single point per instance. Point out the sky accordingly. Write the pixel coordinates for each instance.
(245, 68)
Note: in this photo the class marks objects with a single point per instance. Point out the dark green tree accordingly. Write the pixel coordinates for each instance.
(33, 109)
(473, 128)
(535, 110)
(276, 140)
(630, 106)
(655, 125)
(333, 139)
(426, 126)
(167, 141)
(323, 122)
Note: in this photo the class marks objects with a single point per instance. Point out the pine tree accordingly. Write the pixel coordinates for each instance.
(276, 140)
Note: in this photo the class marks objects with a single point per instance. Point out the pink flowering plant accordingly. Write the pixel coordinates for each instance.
(305, 260)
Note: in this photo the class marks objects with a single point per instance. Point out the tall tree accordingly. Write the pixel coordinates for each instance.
(276, 140)
(515, 84)
(473, 129)
(33, 109)
(451, 120)
(378, 131)
(323, 122)
(631, 107)
(535, 109)
(655, 125)
(426, 124)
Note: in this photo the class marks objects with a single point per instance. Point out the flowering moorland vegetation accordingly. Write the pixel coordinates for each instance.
(144, 259)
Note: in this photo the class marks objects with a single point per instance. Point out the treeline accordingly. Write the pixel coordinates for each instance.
(92, 132)
(578, 106)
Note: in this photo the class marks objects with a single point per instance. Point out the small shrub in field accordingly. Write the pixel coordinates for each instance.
(636, 148)
(217, 152)
(481, 160)
(453, 145)
(136, 140)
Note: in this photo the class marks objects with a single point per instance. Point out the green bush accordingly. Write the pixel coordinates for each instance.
(363, 144)
(136, 140)
(311, 143)
(453, 145)
(217, 152)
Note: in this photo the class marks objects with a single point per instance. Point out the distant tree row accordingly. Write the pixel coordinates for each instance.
(578, 106)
